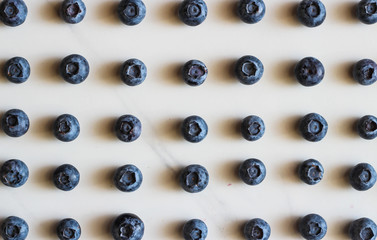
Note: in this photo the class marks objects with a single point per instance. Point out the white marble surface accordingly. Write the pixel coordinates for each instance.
(164, 44)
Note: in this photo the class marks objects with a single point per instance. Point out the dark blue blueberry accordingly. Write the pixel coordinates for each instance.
(192, 12)
(366, 11)
(14, 228)
(365, 72)
(133, 72)
(66, 128)
(251, 11)
(363, 229)
(311, 171)
(311, 13)
(14, 173)
(309, 71)
(257, 229)
(131, 12)
(68, 229)
(252, 171)
(66, 177)
(362, 176)
(249, 70)
(367, 127)
(74, 69)
(195, 229)
(128, 128)
(194, 178)
(312, 227)
(127, 226)
(15, 123)
(194, 72)
(252, 128)
(73, 11)
(128, 178)
(313, 127)
(13, 12)
(17, 70)
(194, 129)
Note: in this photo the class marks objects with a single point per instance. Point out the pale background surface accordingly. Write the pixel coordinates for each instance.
(164, 44)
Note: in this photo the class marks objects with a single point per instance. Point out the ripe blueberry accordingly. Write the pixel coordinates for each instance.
(195, 229)
(257, 229)
(312, 227)
(194, 129)
(14, 228)
(251, 11)
(311, 13)
(192, 12)
(14, 173)
(366, 11)
(74, 69)
(131, 12)
(194, 178)
(367, 127)
(128, 128)
(249, 70)
(309, 71)
(66, 128)
(252, 171)
(365, 72)
(128, 178)
(15, 123)
(127, 226)
(66, 177)
(72, 11)
(194, 72)
(133, 72)
(17, 70)
(313, 127)
(362, 176)
(363, 229)
(311, 171)
(13, 12)
(68, 229)
(252, 128)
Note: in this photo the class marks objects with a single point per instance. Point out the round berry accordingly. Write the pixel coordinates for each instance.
(72, 11)
(366, 11)
(194, 129)
(14, 173)
(313, 127)
(128, 128)
(128, 178)
(249, 70)
(13, 12)
(192, 12)
(251, 11)
(194, 178)
(127, 226)
(312, 227)
(365, 72)
(311, 171)
(252, 171)
(309, 71)
(195, 229)
(68, 229)
(362, 176)
(66, 177)
(311, 13)
(194, 72)
(133, 72)
(131, 12)
(257, 229)
(15, 123)
(252, 128)
(367, 127)
(66, 128)
(17, 70)
(74, 69)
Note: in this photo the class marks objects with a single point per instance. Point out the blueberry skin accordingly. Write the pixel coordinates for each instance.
(252, 128)
(194, 129)
(66, 128)
(309, 71)
(128, 128)
(366, 127)
(251, 11)
(128, 178)
(365, 72)
(15, 123)
(252, 171)
(194, 72)
(366, 11)
(311, 13)
(362, 177)
(249, 70)
(14, 173)
(133, 72)
(74, 69)
(194, 178)
(313, 127)
(312, 227)
(311, 171)
(14, 228)
(257, 229)
(362, 229)
(17, 70)
(13, 12)
(66, 177)
(131, 12)
(72, 11)
(192, 12)
(127, 226)
(195, 229)
(68, 229)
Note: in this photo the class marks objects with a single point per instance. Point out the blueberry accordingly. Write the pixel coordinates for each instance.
(194, 72)
(252, 171)
(312, 227)
(365, 72)
(15, 123)
(311, 13)
(131, 12)
(68, 229)
(194, 178)
(251, 11)
(194, 129)
(14, 228)
(127, 226)
(66, 177)
(17, 70)
(133, 72)
(13, 12)
(192, 12)
(363, 229)
(73, 11)
(252, 128)
(249, 70)
(66, 128)
(313, 127)
(309, 71)
(74, 69)
(195, 229)
(14, 173)
(257, 229)
(128, 128)
(366, 11)
(367, 127)
(128, 178)
(362, 176)
(311, 171)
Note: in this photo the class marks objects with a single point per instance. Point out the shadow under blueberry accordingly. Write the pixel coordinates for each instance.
(235, 229)
(100, 227)
(2, 64)
(343, 72)
(168, 12)
(105, 128)
(231, 128)
(43, 177)
(103, 178)
(223, 71)
(169, 178)
(47, 228)
(340, 228)
(50, 12)
(48, 70)
(172, 73)
(228, 172)
(347, 127)
(286, 13)
(284, 72)
(339, 176)
(289, 171)
(345, 12)
(109, 73)
(288, 226)
(227, 11)
(43, 128)
(170, 129)
(289, 127)
(107, 12)
(174, 229)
